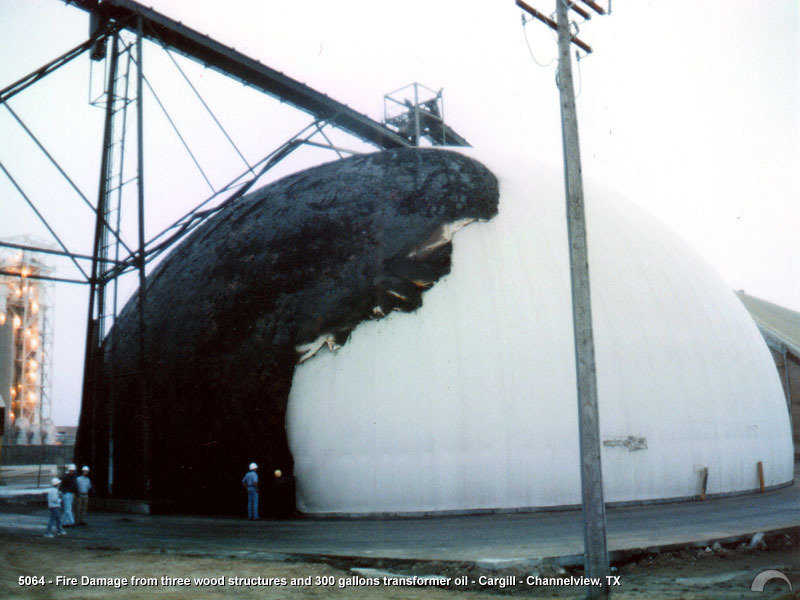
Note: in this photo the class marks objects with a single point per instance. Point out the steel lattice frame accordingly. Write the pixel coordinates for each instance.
(119, 29)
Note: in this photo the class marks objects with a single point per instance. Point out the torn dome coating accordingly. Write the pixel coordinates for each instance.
(232, 308)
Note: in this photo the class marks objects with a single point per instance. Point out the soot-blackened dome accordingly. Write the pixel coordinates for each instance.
(264, 283)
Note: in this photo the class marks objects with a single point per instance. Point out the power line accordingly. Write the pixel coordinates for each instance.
(530, 50)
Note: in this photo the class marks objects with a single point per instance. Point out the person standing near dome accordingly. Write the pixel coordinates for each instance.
(68, 488)
(54, 526)
(83, 485)
(250, 483)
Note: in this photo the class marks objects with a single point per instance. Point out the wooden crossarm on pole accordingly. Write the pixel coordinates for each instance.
(551, 24)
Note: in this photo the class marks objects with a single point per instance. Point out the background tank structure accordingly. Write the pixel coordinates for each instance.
(25, 336)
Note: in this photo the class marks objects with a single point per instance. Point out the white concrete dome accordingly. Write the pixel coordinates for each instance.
(469, 403)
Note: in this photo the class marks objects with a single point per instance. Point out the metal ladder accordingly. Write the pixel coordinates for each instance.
(114, 183)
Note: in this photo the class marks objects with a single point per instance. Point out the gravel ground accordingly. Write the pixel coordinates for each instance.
(690, 574)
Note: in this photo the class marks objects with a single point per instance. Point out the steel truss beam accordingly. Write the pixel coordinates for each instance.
(42, 219)
(195, 217)
(45, 277)
(226, 60)
(62, 172)
(54, 252)
(15, 88)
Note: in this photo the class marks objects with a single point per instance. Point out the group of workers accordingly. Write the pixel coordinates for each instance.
(73, 491)
(64, 494)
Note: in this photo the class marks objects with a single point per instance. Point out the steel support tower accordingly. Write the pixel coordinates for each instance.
(118, 29)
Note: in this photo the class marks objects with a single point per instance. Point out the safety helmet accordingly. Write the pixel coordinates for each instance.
(71, 467)
(55, 481)
(85, 469)
(253, 466)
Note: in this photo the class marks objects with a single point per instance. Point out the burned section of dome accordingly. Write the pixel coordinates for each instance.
(269, 280)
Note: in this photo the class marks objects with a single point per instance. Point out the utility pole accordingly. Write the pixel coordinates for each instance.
(594, 512)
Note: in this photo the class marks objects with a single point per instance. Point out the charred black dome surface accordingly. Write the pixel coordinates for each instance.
(313, 254)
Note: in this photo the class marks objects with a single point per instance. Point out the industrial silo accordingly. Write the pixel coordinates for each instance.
(25, 332)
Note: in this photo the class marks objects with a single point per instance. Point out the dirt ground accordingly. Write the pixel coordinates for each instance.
(693, 574)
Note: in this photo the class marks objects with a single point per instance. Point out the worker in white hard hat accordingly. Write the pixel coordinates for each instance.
(250, 483)
(68, 491)
(84, 485)
(54, 506)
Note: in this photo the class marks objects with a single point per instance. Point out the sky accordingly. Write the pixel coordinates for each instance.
(687, 109)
